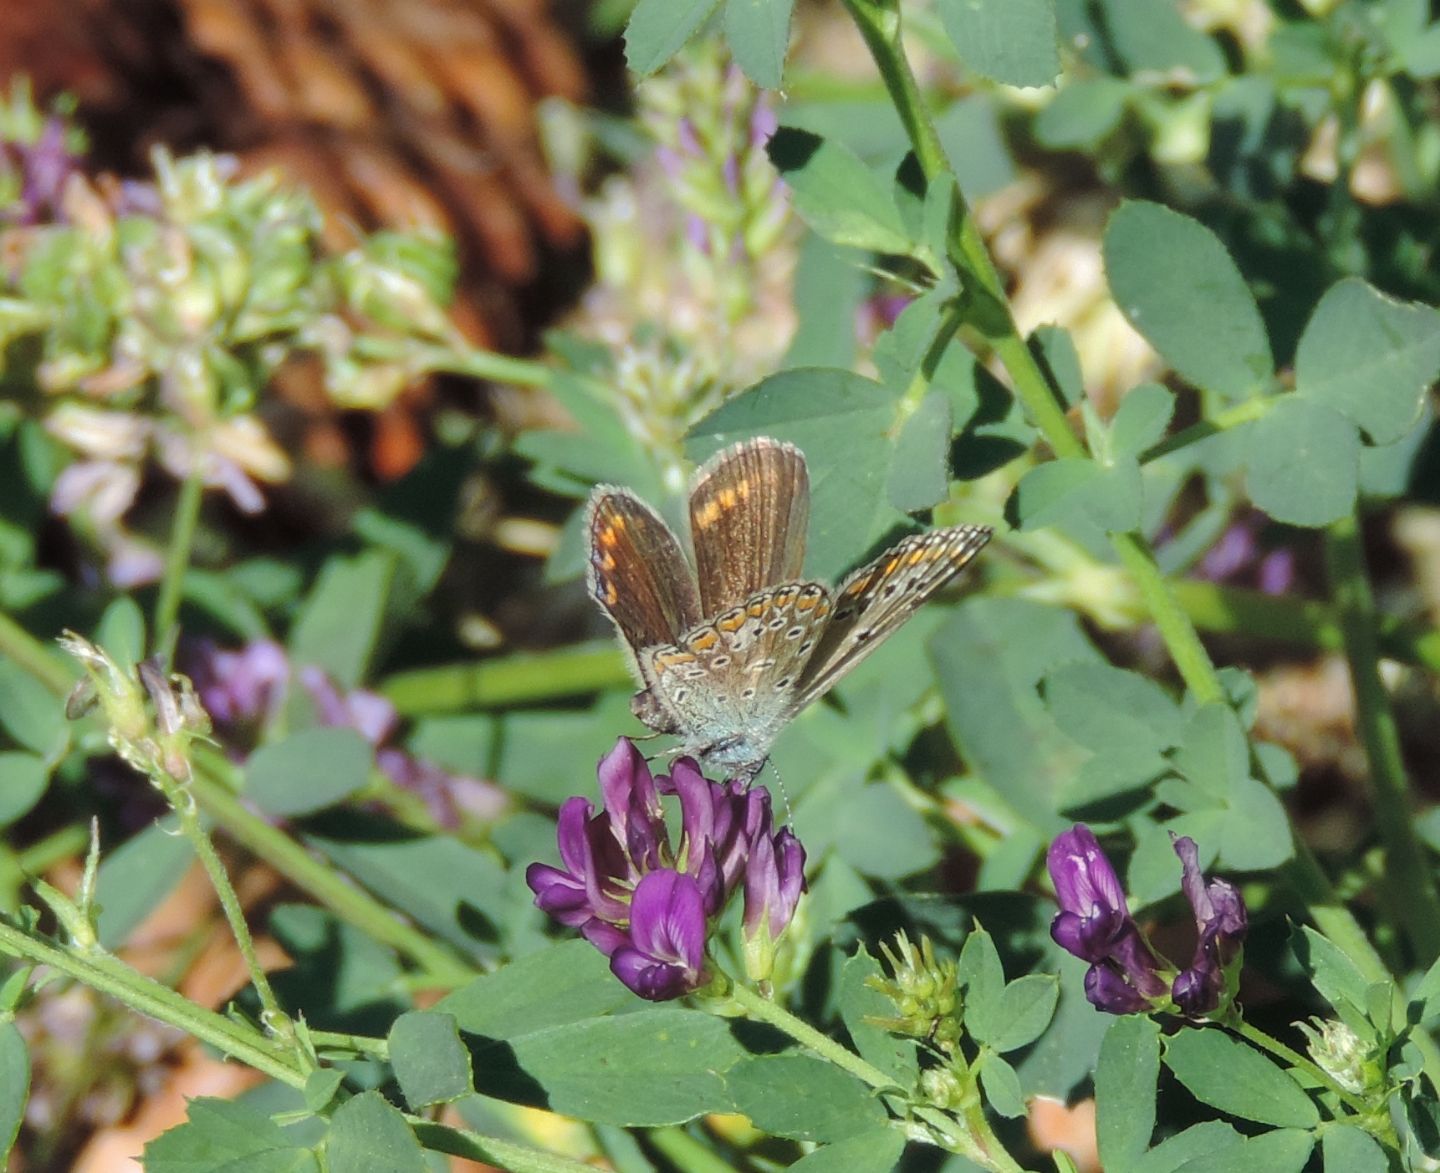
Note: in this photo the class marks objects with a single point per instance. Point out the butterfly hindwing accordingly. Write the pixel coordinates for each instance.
(734, 679)
(749, 511)
(876, 599)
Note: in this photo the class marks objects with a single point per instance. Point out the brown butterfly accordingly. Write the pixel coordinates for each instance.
(728, 653)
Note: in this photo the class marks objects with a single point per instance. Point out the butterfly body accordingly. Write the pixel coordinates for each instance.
(728, 654)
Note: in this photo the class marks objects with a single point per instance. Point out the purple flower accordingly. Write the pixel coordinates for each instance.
(648, 905)
(665, 954)
(1094, 923)
(1222, 921)
(240, 687)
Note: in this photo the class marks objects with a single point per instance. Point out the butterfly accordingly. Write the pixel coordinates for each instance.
(728, 653)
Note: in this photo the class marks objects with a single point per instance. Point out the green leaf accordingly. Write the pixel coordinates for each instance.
(561, 984)
(920, 472)
(14, 1083)
(1002, 1087)
(308, 771)
(23, 779)
(875, 831)
(431, 1064)
(1237, 1079)
(658, 28)
(646, 1069)
(1009, 41)
(31, 713)
(1026, 1007)
(137, 876)
(1125, 1082)
(983, 979)
(989, 657)
(1082, 114)
(1176, 283)
(320, 1088)
(1197, 1141)
(1155, 39)
(1303, 463)
(803, 1098)
(836, 193)
(1141, 419)
(1056, 350)
(1332, 972)
(1101, 706)
(876, 1151)
(893, 1055)
(121, 631)
(1073, 488)
(1369, 357)
(1256, 833)
(1213, 753)
(339, 623)
(369, 1135)
(1282, 1151)
(1348, 1150)
(222, 1135)
(841, 422)
(457, 891)
(759, 36)
(975, 144)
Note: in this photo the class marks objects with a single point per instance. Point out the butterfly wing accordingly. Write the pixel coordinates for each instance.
(637, 571)
(732, 680)
(749, 510)
(876, 599)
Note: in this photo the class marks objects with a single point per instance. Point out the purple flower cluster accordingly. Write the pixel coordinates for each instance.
(649, 907)
(244, 690)
(1126, 975)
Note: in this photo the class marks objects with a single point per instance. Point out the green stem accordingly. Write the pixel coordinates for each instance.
(478, 364)
(512, 680)
(766, 1010)
(1265, 1042)
(490, 1150)
(109, 975)
(42, 661)
(177, 560)
(686, 1152)
(1242, 413)
(984, 1150)
(276, 1021)
(355, 1044)
(1407, 870)
(879, 24)
(328, 887)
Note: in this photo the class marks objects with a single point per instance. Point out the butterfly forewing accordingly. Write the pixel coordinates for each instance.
(749, 510)
(879, 597)
(637, 571)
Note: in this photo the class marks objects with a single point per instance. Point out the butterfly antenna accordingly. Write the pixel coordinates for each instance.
(784, 794)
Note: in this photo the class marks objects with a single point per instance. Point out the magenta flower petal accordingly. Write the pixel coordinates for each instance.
(667, 931)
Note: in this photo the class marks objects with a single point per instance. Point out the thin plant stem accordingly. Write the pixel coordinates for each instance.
(687, 1152)
(356, 1044)
(1288, 1055)
(177, 560)
(1407, 871)
(507, 681)
(351, 904)
(107, 974)
(42, 661)
(490, 1150)
(879, 24)
(984, 1150)
(272, 1014)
